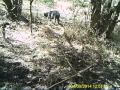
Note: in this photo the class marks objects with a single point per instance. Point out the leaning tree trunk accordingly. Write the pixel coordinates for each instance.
(95, 16)
(113, 21)
(14, 8)
(104, 16)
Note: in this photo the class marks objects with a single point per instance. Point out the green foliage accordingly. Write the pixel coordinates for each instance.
(48, 2)
(80, 3)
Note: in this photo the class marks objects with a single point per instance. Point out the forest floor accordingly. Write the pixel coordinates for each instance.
(23, 46)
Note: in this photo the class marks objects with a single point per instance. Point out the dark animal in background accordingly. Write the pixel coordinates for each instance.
(53, 15)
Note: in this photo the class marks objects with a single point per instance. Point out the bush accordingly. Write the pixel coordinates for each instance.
(48, 2)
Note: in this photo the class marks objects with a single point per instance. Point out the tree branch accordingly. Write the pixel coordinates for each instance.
(118, 21)
(71, 76)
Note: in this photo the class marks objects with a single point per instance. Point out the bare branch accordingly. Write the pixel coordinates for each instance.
(71, 76)
(118, 21)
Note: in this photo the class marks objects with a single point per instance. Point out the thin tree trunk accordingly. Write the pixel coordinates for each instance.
(31, 1)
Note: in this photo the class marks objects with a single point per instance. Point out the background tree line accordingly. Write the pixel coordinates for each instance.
(104, 13)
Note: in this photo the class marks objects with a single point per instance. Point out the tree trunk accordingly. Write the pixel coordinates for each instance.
(14, 8)
(95, 16)
(104, 16)
(113, 21)
(31, 1)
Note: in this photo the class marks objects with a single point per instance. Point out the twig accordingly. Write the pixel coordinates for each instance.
(70, 77)
(110, 83)
(71, 65)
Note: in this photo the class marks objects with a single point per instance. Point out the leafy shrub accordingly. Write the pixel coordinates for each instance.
(48, 2)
